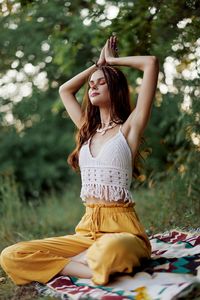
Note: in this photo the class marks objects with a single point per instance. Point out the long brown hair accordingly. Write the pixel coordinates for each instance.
(119, 112)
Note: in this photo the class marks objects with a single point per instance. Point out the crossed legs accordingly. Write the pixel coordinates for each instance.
(75, 255)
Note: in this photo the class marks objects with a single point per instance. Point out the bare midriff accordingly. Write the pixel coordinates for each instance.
(93, 200)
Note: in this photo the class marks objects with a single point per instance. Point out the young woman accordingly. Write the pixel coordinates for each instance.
(109, 238)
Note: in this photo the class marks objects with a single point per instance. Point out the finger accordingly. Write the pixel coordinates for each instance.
(108, 43)
(112, 43)
(113, 37)
(115, 44)
(115, 40)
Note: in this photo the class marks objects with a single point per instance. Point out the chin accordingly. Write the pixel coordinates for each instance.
(99, 101)
(99, 104)
(95, 102)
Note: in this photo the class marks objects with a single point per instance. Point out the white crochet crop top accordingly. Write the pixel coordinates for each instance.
(107, 176)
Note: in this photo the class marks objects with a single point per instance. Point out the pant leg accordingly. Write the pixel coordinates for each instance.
(121, 243)
(117, 252)
(40, 260)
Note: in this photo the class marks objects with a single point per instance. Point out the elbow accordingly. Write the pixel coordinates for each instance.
(61, 89)
(153, 60)
(66, 88)
(153, 64)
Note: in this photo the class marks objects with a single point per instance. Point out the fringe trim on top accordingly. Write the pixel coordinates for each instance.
(105, 192)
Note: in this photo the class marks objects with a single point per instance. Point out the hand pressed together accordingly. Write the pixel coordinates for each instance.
(108, 51)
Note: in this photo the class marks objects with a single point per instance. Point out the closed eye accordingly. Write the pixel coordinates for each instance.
(100, 81)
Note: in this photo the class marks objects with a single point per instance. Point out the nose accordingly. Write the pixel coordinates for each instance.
(94, 86)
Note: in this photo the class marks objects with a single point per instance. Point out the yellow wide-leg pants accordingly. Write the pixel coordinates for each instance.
(115, 239)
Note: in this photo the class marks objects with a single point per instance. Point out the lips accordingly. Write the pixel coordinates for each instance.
(94, 94)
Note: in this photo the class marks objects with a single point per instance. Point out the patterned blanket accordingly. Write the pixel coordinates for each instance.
(173, 271)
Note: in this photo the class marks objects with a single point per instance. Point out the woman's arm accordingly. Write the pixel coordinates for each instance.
(74, 84)
(68, 90)
(139, 117)
(137, 62)
(67, 93)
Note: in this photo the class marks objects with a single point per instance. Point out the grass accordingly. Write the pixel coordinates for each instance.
(53, 215)
(162, 207)
(166, 206)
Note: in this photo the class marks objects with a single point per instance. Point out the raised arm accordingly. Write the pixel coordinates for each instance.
(69, 89)
(67, 93)
(139, 117)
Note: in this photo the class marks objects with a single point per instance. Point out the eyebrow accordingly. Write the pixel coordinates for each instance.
(97, 79)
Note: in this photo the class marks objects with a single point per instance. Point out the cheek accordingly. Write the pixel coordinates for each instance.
(105, 90)
(107, 94)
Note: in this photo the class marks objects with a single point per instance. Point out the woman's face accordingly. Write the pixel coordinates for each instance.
(98, 89)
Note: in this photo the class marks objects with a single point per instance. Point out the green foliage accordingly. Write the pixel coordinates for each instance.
(54, 214)
(37, 154)
(168, 205)
(61, 38)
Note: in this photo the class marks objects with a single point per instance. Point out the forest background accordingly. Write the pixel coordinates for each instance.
(43, 44)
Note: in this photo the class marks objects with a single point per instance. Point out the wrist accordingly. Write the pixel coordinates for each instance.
(111, 61)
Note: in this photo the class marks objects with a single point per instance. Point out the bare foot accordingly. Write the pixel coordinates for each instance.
(77, 269)
(80, 258)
